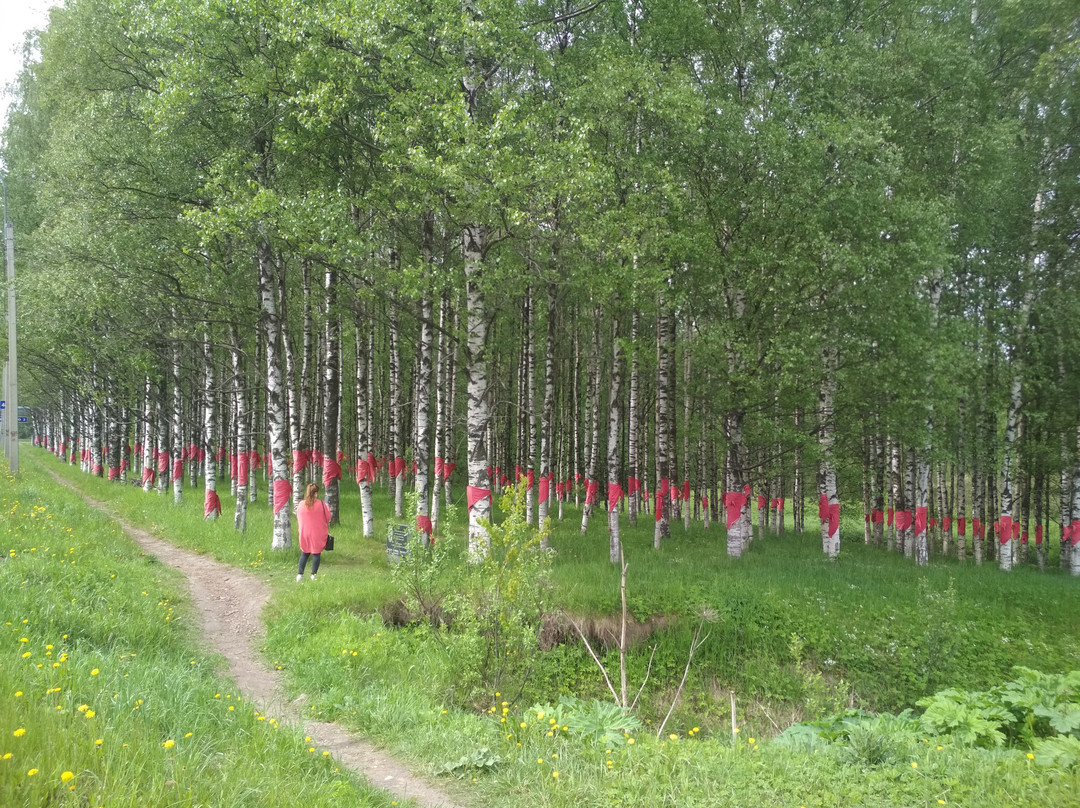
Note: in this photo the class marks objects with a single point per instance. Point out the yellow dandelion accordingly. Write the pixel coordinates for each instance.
(630, 741)
(27, 655)
(1030, 756)
(66, 776)
(18, 693)
(31, 773)
(19, 732)
(523, 725)
(555, 774)
(90, 713)
(94, 672)
(751, 740)
(169, 744)
(914, 765)
(98, 742)
(673, 737)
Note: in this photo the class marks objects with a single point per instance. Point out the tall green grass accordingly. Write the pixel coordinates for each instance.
(795, 636)
(107, 697)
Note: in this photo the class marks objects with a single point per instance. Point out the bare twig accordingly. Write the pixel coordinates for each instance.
(645, 681)
(596, 659)
(694, 645)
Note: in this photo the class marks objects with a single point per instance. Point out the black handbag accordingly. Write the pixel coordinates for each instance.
(329, 542)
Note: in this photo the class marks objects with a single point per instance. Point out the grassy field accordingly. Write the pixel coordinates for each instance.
(793, 637)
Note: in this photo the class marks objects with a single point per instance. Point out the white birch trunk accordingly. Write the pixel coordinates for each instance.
(593, 393)
(440, 414)
(242, 436)
(148, 440)
(634, 495)
(548, 414)
(364, 449)
(478, 415)
(275, 396)
(664, 403)
(614, 540)
(422, 438)
(827, 438)
(396, 426)
(331, 395)
(209, 424)
(1072, 547)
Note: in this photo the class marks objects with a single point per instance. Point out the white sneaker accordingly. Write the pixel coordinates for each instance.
(313, 577)
(299, 577)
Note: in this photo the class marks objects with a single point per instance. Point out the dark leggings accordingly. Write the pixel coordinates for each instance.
(314, 563)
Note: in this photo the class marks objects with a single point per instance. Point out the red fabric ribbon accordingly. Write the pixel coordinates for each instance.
(834, 518)
(866, 518)
(177, 469)
(614, 494)
(114, 473)
(592, 488)
(920, 521)
(658, 509)
(282, 492)
(256, 460)
(823, 508)
(705, 503)
(978, 531)
(892, 516)
(504, 480)
(232, 466)
(340, 456)
(577, 477)
(517, 474)
(331, 471)
(1024, 537)
(1038, 534)
(1005, 529)
(733, 505)
(163, 462)
(97, 470)
(664, 488)
(211, 504)
(558, 490)
(780, 503)
(761, 502)
(299, 460)
(448, 469)
(686, 490)
(903, 519)
(474, 494)
(438, 468)
(399, 467)
(542, 495)
(243, 467)
(147, 476)
(317, 457)
(220, 454)
(530, 479)
(633, 485)
(961, 525)
(946, 524)
(1016, 530)
(933, 522)
(877, 517)
(423, 524)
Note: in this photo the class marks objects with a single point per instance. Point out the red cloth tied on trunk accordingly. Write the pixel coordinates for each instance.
(438, 468)
(124, 465)
(933, 522)
(1005, 529)
(592, 488)
(877, 517)
(577, 477)
(614, 494)
(163, 462)
(211, 504)
(340, 456)
(232, 466)
(530, 479)
(734, 502)
(256, 460)
(978, 530)
(282, 492)
(1038, 534)
(448, 469)
(474, 494)
(423, 524)
(558, 490)
(823, 508)
(834, 519)
(866, 517)
(73, 456)
(760, 502)
(946, 523)
(658, 509)
(1016, 530)
(705, 503)
(686, 490)
(243, 468)
(177, 469)
(1024, 537)
(399, 467)
(920, 521)
(97, 470)
(633, 485)
(903, 519)
(892, 517)
(961, 526)
(299, 460)
(544, 492)
(665, 488)
(317, 457)
(147, 476)
(114, 473)
(331, 471)
(504, 480)
(517, 474)
(220, 454)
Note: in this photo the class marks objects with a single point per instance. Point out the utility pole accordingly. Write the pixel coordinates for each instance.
(11, 421)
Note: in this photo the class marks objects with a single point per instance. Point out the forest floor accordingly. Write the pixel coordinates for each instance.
(230, 604)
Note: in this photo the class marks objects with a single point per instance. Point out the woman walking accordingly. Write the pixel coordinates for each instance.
(313, 517)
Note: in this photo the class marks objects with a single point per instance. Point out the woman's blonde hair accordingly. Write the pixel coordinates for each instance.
(310, 493)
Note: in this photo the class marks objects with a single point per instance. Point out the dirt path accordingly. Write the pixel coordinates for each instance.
(230, 604)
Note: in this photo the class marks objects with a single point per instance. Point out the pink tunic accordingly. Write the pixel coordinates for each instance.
(314, 525)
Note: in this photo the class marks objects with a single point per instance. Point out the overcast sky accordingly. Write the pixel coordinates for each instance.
(16, 17)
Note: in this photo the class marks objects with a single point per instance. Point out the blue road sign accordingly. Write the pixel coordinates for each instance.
(23, 419)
